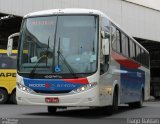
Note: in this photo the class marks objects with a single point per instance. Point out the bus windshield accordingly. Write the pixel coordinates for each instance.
(59, 44)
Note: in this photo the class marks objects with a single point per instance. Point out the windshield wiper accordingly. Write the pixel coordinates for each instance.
(93, 49)
(36, 65)
(38, 61)
(47, 51)
(60, 55)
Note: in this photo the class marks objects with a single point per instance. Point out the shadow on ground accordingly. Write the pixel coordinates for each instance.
(82, 113)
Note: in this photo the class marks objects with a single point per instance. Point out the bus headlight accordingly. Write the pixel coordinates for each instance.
(85, 87)
(24, 88)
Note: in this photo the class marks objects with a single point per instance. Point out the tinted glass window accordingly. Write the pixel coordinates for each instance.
(132, 49)
(116, 39)
(8, 62)
(137, 53)
(59, 44)
(124, 44)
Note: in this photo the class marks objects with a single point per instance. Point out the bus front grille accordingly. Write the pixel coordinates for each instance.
(52, 92)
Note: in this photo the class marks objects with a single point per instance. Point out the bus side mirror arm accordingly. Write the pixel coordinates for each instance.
(10, 43)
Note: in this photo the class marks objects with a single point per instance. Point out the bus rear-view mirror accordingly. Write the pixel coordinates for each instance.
(9, 46)
(105, 46)
(10, 43)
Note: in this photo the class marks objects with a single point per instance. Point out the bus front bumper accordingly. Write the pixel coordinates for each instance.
(86, 98)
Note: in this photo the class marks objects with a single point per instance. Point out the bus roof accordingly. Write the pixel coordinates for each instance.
(65, 11)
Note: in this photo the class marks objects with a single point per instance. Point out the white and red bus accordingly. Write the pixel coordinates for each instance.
(79, 57)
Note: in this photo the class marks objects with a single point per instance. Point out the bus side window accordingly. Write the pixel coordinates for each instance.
(138, 53)
(125, 42)
(132, 49)
(113, 38)
(116, 40)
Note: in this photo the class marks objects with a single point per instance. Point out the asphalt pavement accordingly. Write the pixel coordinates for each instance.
(18, 114)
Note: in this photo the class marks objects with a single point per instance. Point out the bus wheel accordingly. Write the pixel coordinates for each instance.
(115, 101)
(52, 110)
(109, 110)
(13, 97)
(3, 96)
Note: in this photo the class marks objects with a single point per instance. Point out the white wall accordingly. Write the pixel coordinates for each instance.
(141, 22)
(137, 20)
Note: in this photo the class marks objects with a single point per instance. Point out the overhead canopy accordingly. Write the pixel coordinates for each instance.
(8, 24)
(153, 4)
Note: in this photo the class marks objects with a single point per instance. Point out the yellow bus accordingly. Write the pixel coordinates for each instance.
(7, 77)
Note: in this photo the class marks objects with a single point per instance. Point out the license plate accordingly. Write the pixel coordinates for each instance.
(52, 100)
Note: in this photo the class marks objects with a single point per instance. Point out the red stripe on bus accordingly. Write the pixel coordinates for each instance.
(77, 80)
(124, 61)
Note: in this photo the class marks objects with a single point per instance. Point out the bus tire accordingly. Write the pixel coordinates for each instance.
(52, 109)
(3, 96)
(13, 97)
(109, 110)
(115, 100)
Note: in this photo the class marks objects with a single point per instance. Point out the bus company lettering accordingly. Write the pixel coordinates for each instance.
(53, 76)
(48, 85)
(37, 85)
(7, 74)
(66, 85)
(139, 74)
